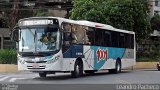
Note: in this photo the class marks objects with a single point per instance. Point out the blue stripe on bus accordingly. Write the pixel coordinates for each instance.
(74, 51)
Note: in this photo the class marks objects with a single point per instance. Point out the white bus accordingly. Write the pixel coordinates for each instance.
(51, 44)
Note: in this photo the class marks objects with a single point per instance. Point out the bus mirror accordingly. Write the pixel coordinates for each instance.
(15, 35)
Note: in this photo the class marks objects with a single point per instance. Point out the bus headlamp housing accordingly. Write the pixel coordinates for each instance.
(52, 60)
(57, 57)
(21, 60)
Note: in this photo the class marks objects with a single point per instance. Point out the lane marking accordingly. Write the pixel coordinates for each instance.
(14, 79)
(4, 78)
(122, 81)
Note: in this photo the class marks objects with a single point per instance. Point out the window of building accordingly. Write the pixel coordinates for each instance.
(157, 3)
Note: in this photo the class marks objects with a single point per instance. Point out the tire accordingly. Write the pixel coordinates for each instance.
(117, 68)
(158, 67)
(78, 70)
(43, 74)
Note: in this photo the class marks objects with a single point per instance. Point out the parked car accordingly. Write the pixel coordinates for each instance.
(158, 66)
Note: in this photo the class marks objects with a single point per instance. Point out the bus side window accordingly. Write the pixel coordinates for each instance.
(90, 36)
(122, 40)
(115, 38)
(67, 36)
(99, 40)
(74, 34)
(132, 41)
(107, 39)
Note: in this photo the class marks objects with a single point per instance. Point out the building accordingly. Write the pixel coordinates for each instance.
(5, 41)
(154, 7)
(57, 8)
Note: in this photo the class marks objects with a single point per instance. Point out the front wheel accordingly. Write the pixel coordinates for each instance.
(42, 74)
(78, 70)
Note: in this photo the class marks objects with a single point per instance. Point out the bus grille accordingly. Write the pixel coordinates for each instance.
(39, 67)
(36, 61)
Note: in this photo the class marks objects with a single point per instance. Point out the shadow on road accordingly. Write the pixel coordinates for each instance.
(67, 76)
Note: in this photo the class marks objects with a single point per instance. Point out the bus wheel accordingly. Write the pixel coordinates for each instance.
(42, 74)
(117, 68)
(78, 70)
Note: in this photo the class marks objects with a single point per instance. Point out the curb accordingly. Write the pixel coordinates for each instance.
(145, 65)
(8, 68)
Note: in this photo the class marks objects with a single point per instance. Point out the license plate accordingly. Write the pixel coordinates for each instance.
(35, 66)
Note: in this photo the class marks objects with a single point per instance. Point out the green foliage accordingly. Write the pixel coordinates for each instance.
(124, 14)
(149, 55)
(8, 57)
(155, 22)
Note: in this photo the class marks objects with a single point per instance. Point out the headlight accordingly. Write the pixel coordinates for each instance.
(57, 57)
(21, 60)
(53, 60)
(50, 61)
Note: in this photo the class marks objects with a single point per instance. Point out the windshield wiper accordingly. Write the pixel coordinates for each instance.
(22, 44)
(35, 37)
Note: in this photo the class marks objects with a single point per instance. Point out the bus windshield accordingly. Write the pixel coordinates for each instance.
(39, 39)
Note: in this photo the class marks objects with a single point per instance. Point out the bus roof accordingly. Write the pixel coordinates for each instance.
(84, 22)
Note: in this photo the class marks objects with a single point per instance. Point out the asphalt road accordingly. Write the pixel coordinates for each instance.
(141, 76)
(98, 81)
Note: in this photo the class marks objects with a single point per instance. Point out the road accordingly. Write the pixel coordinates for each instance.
(141, 76)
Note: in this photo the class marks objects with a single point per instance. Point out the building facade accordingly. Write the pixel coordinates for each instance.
(154, 7)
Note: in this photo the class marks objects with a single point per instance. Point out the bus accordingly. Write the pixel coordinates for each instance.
(47, 45)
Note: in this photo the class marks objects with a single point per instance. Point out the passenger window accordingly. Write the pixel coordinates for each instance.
(107, 39)
(90, 36)
(66, 29)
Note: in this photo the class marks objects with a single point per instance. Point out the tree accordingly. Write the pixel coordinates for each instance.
(124, 14)
(155, 22)
(12, 13)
